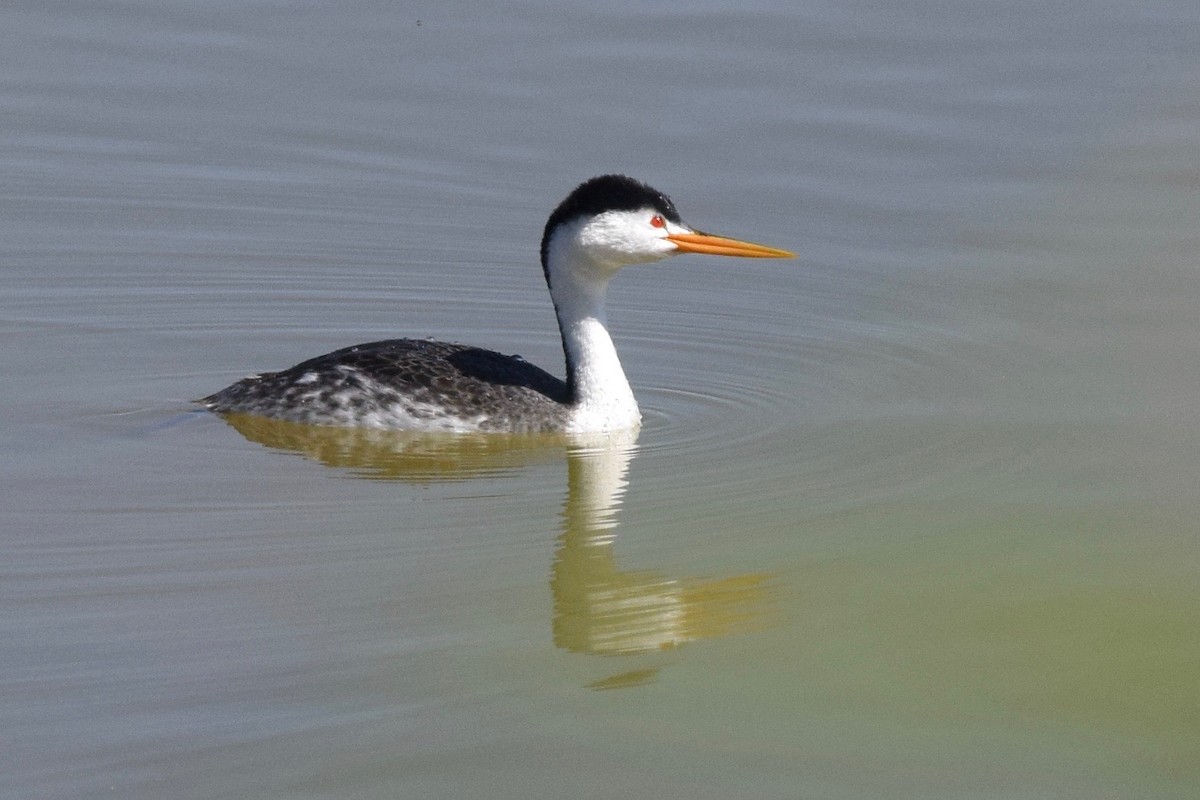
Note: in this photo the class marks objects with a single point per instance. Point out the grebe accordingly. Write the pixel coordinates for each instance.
(605, 224)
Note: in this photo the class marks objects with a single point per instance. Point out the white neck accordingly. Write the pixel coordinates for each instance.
(602, 399)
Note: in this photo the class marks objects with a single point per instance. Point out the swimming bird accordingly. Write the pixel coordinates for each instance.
(604, 224)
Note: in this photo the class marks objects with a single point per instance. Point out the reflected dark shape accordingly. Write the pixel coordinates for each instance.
(403, 455)
(625, 680)
(599, 608)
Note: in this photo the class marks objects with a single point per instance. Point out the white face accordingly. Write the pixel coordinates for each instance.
(620, 238)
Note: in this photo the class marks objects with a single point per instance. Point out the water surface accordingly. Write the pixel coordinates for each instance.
(914, 516)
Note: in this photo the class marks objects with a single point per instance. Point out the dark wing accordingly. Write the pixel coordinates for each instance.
(425, 379)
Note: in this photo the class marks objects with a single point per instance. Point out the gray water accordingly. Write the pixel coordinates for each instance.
(914, 516)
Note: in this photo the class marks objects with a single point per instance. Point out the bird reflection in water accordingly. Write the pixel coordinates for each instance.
(599, 607)
(602, 609)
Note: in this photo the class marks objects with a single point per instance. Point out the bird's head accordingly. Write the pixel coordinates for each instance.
(614, 221)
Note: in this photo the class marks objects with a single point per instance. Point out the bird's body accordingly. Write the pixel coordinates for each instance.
(605, 224)
(413, 384)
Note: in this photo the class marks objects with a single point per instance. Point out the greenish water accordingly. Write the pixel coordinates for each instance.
(913, 517)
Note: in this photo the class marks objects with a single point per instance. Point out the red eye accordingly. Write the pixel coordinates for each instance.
(658, 222)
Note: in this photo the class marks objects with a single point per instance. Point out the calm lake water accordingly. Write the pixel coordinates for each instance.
(915, 516)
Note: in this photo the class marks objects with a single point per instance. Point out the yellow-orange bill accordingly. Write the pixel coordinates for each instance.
(720, 246)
